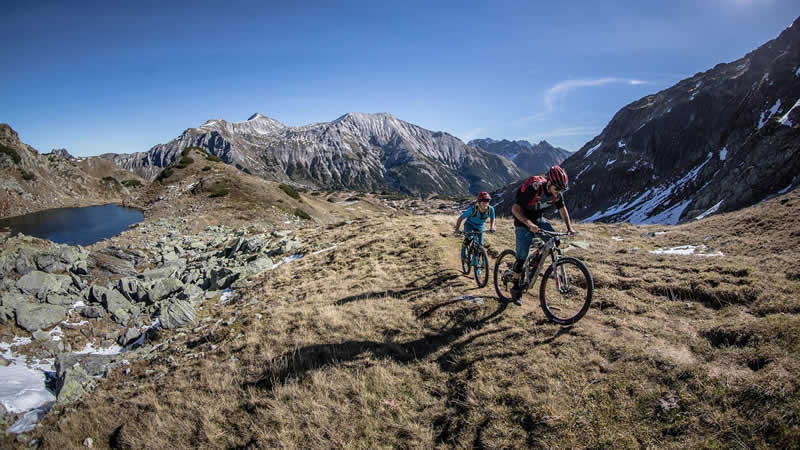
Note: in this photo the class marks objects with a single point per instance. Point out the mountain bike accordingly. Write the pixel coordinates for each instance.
(565, 292)
(476, 257)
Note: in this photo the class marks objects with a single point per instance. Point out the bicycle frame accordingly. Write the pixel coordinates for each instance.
(550, 248)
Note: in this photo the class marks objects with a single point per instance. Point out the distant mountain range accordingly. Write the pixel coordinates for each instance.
(533, 159)
(356, 151)
(717, 141)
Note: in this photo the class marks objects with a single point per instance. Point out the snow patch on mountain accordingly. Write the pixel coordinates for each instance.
(640, 210)
(784, 120)
(765, 115)
(591, 150)
(710, 211)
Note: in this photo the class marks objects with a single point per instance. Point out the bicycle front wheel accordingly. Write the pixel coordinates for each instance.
(503, 273)
(481, 270)
(567, 294)
(465, 263)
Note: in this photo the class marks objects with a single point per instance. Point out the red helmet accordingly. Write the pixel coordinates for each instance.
(558, 177)
(484, 196)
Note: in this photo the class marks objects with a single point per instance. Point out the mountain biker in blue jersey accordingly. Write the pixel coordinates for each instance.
(475, 217)
(535, 196)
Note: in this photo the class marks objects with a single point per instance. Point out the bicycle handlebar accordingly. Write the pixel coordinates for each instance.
(554, 233)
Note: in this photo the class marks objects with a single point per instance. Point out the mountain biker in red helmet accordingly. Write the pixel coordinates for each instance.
(535, 196)
(476, 216)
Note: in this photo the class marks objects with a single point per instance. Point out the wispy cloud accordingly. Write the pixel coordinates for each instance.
(561, 88)
(567, 131)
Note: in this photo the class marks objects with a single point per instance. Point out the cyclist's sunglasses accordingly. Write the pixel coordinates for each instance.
(483, 201)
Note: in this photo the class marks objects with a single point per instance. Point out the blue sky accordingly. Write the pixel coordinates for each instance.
(122, 77)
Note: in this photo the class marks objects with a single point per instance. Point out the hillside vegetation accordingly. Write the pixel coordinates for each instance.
(374, 339)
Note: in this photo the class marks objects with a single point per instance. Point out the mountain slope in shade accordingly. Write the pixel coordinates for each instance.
(356, 151)
(30, 181)
(718, 141)
(533, 159)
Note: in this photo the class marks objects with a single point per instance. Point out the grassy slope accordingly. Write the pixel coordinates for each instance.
(365, 345)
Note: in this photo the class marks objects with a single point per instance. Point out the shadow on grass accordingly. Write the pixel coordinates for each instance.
(438, 280)
(459, 337)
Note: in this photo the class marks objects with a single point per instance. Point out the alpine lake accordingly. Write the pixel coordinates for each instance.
(74, 226)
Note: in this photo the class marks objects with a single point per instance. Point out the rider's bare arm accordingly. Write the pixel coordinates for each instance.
(565, 215)
(516, 210)
(458, 224)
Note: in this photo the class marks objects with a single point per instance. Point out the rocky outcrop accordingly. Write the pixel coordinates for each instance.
(30, 181)
(356, 151)
(718, 141)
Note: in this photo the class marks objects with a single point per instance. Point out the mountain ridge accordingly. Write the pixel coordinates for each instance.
(365, 151)
(717, 141)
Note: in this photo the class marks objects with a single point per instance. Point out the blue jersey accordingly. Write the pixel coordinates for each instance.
(475, 218)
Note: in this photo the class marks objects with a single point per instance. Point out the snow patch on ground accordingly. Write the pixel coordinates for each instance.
(620, 144)
(686, 250)
(92, 350)
(23, 386)
(591, 150)
(785, 190)
(723, 154)
(610, 162)
(709, 211)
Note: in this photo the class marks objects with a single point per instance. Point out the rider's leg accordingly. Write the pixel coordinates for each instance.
(523, 243)
(538, 239)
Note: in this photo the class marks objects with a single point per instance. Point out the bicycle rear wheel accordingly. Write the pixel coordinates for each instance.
(565, 300)
(481, 270)
(503, 271)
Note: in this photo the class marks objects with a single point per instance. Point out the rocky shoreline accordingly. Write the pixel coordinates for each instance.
(89, 310)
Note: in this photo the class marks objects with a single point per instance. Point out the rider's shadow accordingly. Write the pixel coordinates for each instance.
(296, 364)
(441, 279)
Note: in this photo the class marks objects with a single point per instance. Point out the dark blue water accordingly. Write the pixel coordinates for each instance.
(75, 226)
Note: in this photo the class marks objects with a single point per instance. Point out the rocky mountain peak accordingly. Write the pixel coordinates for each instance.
(717, 141)
(531, 158)
(366, 151)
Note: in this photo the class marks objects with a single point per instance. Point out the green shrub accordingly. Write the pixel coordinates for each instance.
(109, 180)
(131, 183)
(10, 152)
(213, 158)
(302, 214)
(166, 173)
(186, 151)
(290, 191)
(184, 162)
(218, 189)
(27, 176)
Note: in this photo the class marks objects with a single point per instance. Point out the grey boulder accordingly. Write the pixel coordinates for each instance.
(38, 316)
(177, 314)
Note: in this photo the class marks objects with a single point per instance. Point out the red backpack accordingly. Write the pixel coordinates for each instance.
(537, 183)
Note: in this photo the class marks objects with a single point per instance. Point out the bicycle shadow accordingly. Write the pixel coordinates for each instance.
(297, 363)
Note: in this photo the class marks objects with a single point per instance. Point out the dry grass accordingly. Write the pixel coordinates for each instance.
(366, 345)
